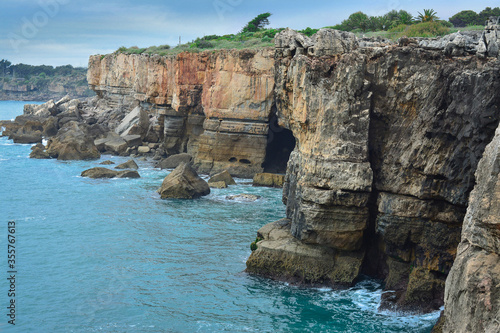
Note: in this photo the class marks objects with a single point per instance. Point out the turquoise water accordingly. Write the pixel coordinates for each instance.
(111, 256)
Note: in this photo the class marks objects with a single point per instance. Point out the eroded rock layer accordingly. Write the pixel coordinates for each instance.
(388, 139)
(212, 105)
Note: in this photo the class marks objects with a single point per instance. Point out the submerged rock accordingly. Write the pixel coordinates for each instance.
(130, 164)
(108, 162)
(183, 183)
(99, 172)
(243, 197)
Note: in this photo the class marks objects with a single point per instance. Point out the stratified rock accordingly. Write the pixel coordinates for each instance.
(224, 177)
(281, 256)
(243, 197)
(268, 179)
(73, 142)
(99, 172)
(132, 140)
(174, 161)
(472, 298)
(107, 162)
(130, 164)
(183, 183)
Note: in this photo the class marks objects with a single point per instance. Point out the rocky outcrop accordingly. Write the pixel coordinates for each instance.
(472, 298)
(388, 139)
(73, 142)
(99, 172)
(268, 179)
(183, 183)
(130, 164)
(185, 103)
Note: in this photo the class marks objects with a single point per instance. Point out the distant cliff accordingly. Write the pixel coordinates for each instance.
(388, 137)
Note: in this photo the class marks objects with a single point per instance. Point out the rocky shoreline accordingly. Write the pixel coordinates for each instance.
(382, 143)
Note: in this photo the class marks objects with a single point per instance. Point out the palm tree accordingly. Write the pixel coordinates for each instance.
(429, 15)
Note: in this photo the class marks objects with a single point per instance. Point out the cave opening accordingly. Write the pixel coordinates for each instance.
(280, 144)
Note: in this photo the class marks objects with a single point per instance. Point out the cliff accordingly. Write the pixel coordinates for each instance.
(214, 105)
(388, 140)
(388, 137)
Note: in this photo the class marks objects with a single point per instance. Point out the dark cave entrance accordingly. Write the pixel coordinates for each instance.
(280, 143)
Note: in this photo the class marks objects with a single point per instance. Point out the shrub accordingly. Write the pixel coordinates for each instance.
(425, 29)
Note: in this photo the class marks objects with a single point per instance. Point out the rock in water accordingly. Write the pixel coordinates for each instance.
(268, 179)
(108, 173)
(130, 164)
(108, 162)
(243, 197)
(183, 183)
(220, 184)
(174, 161)
(73, 142)
(224, 177)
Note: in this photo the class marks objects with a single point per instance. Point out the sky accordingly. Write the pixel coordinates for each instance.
(61, 32)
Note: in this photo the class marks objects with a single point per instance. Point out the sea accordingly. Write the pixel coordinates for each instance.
(109, 255)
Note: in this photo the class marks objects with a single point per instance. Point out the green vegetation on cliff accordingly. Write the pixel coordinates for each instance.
(392, 25)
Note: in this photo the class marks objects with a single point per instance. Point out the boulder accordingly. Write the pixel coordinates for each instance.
(268, 179)
(243, 197)
(116, 145)
(137, 117)
(38, 152)
(132, 140)
(72, 142)
(50, 127)
(99, 172)
(29, 131)
(130, 164)
(173, 161)
(224, 177)
(143, 150)
(108, 162)
(220, 184)
(183, 183)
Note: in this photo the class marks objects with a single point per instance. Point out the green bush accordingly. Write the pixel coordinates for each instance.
(425, 29)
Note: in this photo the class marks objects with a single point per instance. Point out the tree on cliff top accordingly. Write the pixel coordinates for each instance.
(259, 22)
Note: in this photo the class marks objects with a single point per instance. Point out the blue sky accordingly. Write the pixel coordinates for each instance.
(59, 32)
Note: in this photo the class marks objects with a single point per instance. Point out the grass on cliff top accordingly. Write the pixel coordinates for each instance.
(250, 40)
(265, 38)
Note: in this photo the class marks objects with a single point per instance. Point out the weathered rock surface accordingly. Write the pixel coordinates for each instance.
(73, 142)
(99, 172)
(107, 162)
(472, 298)
(388, 139)
(38, 151)
(174, 161)
(268, 179)
(183, 183)
(184, 102)
(224, 177)
(130, 164)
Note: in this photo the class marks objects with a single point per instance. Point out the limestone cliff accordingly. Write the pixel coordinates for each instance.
(388, 139)
(213, 105)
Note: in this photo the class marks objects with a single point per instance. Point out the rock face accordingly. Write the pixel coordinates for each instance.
(472, 298)
(99, 172)
(183, 183)
(73, 142)
(268, 179)
(185, 103)
(388, 139)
